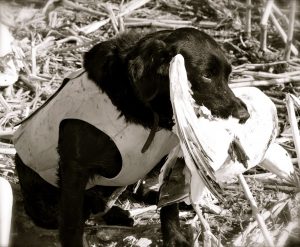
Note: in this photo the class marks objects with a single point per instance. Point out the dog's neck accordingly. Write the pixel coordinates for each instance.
(107, 64)
(124, 97)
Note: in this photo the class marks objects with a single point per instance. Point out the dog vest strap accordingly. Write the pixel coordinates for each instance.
(152, 133)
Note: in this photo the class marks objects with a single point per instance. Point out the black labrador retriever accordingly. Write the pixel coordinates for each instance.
(110, 124)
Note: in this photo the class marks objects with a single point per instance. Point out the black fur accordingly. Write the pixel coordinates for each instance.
(125, 69)
(170, 227)
(133, 71)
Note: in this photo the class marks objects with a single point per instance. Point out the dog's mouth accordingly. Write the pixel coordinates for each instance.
(239, 113)
(223, 107)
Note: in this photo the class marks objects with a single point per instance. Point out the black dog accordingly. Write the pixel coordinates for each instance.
(129, 76)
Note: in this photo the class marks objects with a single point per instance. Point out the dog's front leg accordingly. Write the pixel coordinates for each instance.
(84, 152)
(71, 222)
(73, 178)
(170, 227)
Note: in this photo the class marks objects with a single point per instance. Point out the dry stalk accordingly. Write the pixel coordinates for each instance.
(40, 77)
(131, 6)
(142, 22)
(248, 18)
(255, 212)
(253, 66)
(209, 238)
(287, 53)
(245, 79)
(3, 102)
(294, 65)
(110, 227)
(274, 94)
(264, 177)
(76, 6)
(277, 101)
(239, 241)
(121, 24)
(46, 43)
(70, 38)
(33, 57)
(168, 21)
(10, 115)
(194, 227)
(10, 151)
(45, 67)
(126, 9)
(114, 197)
(137, 211)
(293, 124)
(285, 233)
(92, 27)
(270, 75)
(283, 34)
(271, 82)
(237, 48)
(264, 24)
(33, 86)
(73, 48)
(281, 188)
(47, 6)
(278, 12)
(261, 176)
(6, 145)
(113, 18)
(7, 134)
(208, 24)
(152, 24)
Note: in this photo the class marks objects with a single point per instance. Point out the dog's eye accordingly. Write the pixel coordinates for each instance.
(206, 78)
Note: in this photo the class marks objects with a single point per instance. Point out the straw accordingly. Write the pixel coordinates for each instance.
(290, 30)
(248, 18)
(294, 124)
(264, 25)
(255, 212)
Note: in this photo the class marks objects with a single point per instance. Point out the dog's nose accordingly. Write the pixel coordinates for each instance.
(242, 114)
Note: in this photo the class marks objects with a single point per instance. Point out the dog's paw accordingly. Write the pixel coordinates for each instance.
(178, 237)
(177, 242)
(118, 216)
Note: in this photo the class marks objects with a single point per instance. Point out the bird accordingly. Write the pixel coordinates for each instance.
(217, 150)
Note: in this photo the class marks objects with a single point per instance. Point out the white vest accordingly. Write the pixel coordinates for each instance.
(36, 140)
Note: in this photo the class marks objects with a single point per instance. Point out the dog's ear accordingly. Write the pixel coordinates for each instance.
(148, 67)
(99, 60)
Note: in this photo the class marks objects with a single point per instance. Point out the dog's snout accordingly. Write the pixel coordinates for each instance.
(241, 113)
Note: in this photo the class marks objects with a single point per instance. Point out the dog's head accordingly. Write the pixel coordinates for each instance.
(143, 64)
(207, 69)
